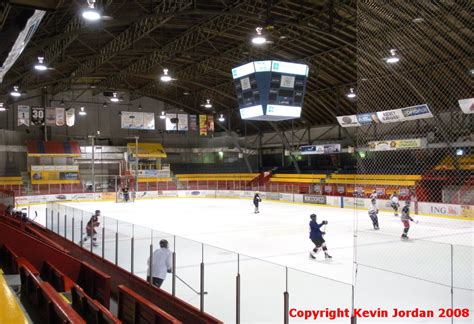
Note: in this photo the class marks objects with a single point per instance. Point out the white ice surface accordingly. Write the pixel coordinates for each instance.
(391, 273)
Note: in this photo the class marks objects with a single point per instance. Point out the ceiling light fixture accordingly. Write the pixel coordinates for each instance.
(62, 102)
(114, 97)
(104, 105)
(140, 107)
(351, 94)
(393, 58)
(91, 13)
(40, 66)
(208, 104)
(82, 112)
(259, 39)
(165, 77)
(2, 107)
(221, 118)
(162, 116)
(15, 92)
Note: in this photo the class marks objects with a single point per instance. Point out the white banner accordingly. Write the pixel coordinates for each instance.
(59, 116)
(182, 122)
(137, 120)
(23, 115)
(70, 117)
(348, 121)
(467, 105)
(50, 117)
(413, 143)
(320, 149)
(170, 126)
(390, 116)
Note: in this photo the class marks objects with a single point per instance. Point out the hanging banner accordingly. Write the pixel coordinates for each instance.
(364, 119)
(23, 115)
(414, 143)
(171, 122)
(37, 116)
(390, 116)
(59, 116)
(210, 123)
(348, 121)
(416, 112)
(70, 117)
(202, 125)
(50, 117)
(182, 122)
(467, 105)
(320, 149)
(193, 123)
(137, 120)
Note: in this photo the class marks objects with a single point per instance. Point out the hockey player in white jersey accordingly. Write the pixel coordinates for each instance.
(373, 211)
(373, 195)
(394, 203)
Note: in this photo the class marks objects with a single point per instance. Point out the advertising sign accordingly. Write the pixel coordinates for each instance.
(314, 199)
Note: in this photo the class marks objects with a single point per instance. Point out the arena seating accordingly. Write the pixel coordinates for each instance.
(374, 179)
(89, 309)
(461, 163)
(297, 178)
(10, 309)
(216, 176)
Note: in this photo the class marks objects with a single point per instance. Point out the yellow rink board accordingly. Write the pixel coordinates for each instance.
(10, 310)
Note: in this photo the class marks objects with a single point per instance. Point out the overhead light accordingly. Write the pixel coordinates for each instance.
(393, 58)
(165, 77)
(2, 107)
(186, 93)
(351, 94)
(98, 132)
(418, 20)
(91, 13)
(62, 102)
(114, 97)
(208, 104)
(221, 118)
(162, 116)
(82, 112)
(15, 92)
(40, 66)
(459, 152)
(259, 39)
(140, 107)
(104, 105)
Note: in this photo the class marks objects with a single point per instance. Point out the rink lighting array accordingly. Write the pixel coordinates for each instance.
(40, 66)
(91, 13)
(15, 92)
(208, 104)
(162, 116)
(259, 39)
(393, 58)
(221, 118)
(351, 94)
(165, 77)
(82, 112)
(114, 97)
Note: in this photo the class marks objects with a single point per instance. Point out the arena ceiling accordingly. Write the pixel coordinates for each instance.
(199, 41)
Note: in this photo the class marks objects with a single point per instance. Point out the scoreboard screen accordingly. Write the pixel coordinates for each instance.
(270, 90)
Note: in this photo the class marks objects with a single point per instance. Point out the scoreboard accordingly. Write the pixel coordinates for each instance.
(270, 90)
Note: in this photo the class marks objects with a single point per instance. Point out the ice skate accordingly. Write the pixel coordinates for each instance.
(327, 256)
(404, 237)
(311, 256)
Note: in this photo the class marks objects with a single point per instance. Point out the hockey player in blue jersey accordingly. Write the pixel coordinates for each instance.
(406, 219)
(316, 236)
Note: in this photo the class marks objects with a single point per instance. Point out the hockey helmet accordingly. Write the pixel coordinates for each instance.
(164, 244)
(312, 216)
(97, 212)
(407, 203)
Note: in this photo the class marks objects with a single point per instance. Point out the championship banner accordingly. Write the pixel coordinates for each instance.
(183, 122)
(390, 116)
(193, 123)
(210, 123)
(148, 121)
(137, 120)
(202, 125)
(59, 116)
(320, 149)
(50, 117)
(70, 117)
(37, 116)
(416, 112)
(23, 115)
(414, 143)
(171, 122)
(467, 105)
(348, 121)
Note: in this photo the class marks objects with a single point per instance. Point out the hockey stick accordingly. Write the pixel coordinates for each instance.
(197, 292)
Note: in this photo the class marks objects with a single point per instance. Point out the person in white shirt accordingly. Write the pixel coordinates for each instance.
(394, 203)
(161, 264)
(373, 211)
(373, 195)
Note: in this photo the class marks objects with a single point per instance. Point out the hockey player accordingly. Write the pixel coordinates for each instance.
(161, 264)
(373, 211)
(91, 226)
(406, 219)
(373, 195)
(126, 194)
(394, 203)
(256, 202)
(316, 236)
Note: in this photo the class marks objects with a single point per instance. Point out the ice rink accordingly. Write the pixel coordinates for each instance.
(273, 249)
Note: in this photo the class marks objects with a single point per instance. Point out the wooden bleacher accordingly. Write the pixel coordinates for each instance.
(374, 179)
(10, 309)
(10, 181)
(217, 176)
(463, 163)
(297, 178)
(89, 309)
